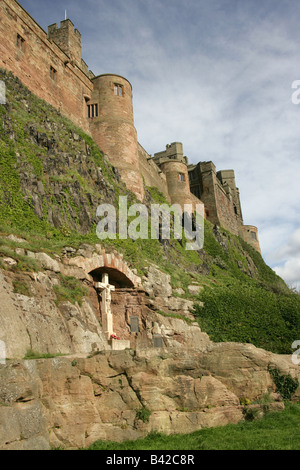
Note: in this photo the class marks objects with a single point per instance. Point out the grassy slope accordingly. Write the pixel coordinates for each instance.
(245, 300)
(258, 309)
(276, 431)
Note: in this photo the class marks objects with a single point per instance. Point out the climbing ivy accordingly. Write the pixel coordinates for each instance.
(285, 384)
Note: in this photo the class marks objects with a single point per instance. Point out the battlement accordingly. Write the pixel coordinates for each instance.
(174, 151)
(68, 38)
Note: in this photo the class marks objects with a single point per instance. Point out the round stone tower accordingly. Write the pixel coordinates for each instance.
(174, 165)
(110, 112)
(250, 235)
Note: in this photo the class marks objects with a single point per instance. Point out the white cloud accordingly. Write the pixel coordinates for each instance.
(290, 272)
(288, 257)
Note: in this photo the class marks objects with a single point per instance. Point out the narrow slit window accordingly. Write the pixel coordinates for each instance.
(181, 177)
(53, 73)
(20, 43)
(92, 110)
(118, 90)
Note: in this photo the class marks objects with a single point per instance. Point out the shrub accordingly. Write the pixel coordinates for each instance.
(248, 313)
(70, 289)
(143, 414)
(285, 384)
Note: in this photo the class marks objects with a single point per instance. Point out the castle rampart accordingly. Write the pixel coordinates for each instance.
(68, 39)
(42, 65)
(152, 174)
(173, 164)
(51, 66)
(219, 194)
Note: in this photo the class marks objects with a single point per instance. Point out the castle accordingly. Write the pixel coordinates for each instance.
(51, 66)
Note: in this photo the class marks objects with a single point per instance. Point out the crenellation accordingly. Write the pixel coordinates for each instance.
(67, 38)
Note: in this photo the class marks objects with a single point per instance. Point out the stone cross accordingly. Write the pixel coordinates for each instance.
(107, 317)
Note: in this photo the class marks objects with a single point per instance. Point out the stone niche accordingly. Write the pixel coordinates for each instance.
(121, 307)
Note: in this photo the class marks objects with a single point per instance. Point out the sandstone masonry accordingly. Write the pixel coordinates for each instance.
(51, 66)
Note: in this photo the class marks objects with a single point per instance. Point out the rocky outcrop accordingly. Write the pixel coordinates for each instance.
(33, 318)
(72, 402)
(35, 321)
(158, 286)
(182, 383)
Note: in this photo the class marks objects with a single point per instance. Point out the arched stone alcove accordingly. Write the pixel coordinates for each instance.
(120, 297)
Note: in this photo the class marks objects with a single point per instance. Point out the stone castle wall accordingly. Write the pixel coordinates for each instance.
(26, 51)
(250, 235)
(52, 68)
(219, 194)
(113, 128)
(225, 208)
(173, 165)
(153, 176)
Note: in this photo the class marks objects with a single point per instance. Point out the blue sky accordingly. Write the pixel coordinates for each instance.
(217, 76)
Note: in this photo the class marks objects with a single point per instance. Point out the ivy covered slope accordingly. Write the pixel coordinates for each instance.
(53, 176)
(246, 301)
(52, 179)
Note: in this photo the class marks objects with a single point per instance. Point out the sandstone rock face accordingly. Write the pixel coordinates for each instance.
(34, 321)
(23, 425)
(157, 285)
(175, 333)
(72, 402)
(194, 289)
(186, 381)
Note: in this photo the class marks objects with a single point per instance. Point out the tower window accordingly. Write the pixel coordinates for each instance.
(253, 235)
(20, 43)
(181, 177)
(92, 110)
(53, 73)
(118, 90)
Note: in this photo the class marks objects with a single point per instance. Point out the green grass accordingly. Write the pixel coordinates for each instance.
(175, 315)
(255, 308)
(22, 287)
(276, 431)
(250, 313)
(156, 195)
(70, 289)
(30, 355)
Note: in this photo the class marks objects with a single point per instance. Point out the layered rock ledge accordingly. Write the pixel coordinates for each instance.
(70, 402)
